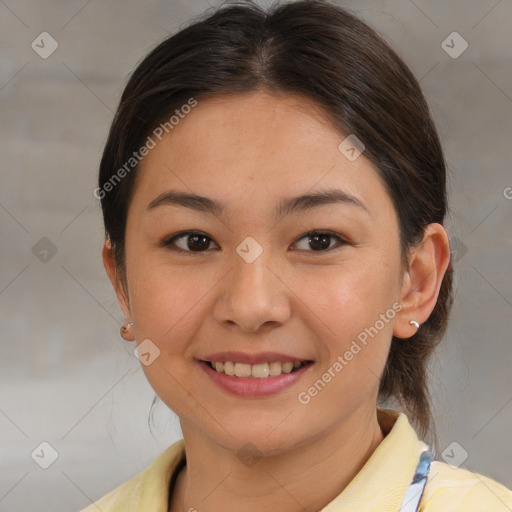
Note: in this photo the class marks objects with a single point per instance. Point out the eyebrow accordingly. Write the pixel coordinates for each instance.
(286, 207)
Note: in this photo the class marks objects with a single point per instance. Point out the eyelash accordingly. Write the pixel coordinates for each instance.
(167, 243)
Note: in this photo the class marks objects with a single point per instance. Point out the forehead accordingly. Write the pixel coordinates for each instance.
(253, 148)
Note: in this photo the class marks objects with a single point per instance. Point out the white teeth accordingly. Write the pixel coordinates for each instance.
(287, 367)
(275, 368)
(229, 368)
(259, 371)
(242, 370)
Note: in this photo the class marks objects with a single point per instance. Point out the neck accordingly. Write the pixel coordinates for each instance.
(214, 478)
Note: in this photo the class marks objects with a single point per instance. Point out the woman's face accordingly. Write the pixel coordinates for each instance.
(255, 282)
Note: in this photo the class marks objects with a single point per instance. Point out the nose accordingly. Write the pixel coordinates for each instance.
(253, 295)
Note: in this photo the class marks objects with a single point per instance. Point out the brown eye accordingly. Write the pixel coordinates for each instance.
(320, 241)
(193, 242)
(196, 242)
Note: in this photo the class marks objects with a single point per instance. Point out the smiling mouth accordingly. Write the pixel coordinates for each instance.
(257, 371)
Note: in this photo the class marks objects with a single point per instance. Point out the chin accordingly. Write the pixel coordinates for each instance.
(256, 440)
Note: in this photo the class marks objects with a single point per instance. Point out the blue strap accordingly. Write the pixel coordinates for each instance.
(415, 491)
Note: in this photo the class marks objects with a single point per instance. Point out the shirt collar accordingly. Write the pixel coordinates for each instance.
(382, 482)
(379, 486)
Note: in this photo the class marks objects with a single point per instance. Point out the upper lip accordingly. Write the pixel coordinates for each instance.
(243, 357)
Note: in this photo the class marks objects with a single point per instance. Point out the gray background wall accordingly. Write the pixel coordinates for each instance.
(67, 378)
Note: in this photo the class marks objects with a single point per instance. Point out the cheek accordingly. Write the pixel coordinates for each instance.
(165, 301)
(350, 307)
(168, 306)
(349, 296)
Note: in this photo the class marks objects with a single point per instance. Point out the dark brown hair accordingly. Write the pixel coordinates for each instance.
(323, 52)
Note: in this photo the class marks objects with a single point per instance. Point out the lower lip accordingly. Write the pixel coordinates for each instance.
(251, 386)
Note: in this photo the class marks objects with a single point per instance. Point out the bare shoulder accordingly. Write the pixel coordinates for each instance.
(452, 489)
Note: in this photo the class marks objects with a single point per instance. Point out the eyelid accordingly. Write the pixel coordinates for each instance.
(341, 240)
(168, 242)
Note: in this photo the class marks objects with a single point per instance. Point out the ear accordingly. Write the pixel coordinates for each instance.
(421, 284)
(110, 267)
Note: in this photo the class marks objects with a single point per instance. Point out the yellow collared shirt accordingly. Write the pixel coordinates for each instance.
(380, 486)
